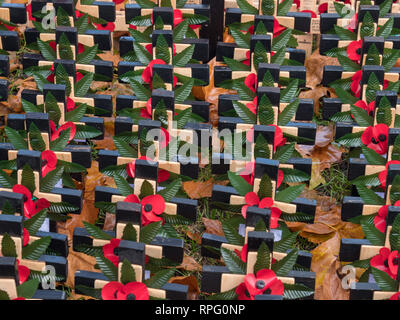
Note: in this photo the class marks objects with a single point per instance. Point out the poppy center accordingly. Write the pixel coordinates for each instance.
(260, 284)
(148, 207)
(382, 138)
(358, 51)
(131, 296)
(374, 141)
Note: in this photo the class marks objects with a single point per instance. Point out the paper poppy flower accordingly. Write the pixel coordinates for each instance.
(109, 251)
(242, 254)
(354, 51)
(253, 106)
(355, 86)
(23, 273)
(50, 159)
(131, 291)
(376, 138)
(165, 138)
(252, 200)
(147, 74)
(70, 104)
(382, 175)
(247, 61)
(163, 175)
(386, 261)
(110, 26)
(56, 132)
(322, 8)
(370, 108)
(380, 219)
(278, 29)
(251, 82)
(152, 207)
(297, 3)
(265, 282)
(30, 208)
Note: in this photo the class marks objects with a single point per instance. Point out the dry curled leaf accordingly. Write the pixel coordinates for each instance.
(213, 226)
(315, 67)
(201, 189)
(332, 288)
(190, 264)
(191, 282)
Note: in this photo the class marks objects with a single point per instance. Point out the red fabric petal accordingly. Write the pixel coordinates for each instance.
(380, 219)
(280, 178)
(79, 76)
(70, 104)
(355, 84)
(323, 8)
(250, 135)
(26, 237)
(53, 45)
(149, 48)
(23, 274)
(243, 211)
(313, 14)
(110, 26)
(393, 267)
(51, 161)
(132, 198)
(163, 175)
(241, 292)
(279, 140)
(110, 290)
(165, 138)
(41, 204)
(138, 289)
(177, 17)
(19, 188)
(275, 214)
(266, 203)
(252, 199)
(395, 296)
(130, 169)
(250, 281)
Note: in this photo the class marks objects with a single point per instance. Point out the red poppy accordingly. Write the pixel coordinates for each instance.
(10, 28)
(242, 254)
(278, 29)
(252, 199)
(370, 108)
(382, 175)
(56, 132)
(323, 8)
(118, 1)
(248, 59)
(385, 84)
(131, 26)
(380, 219)
(253, 106)
(19, 298)
(163, 175)
(313, 14)
(356, 83)
(147, 74)
(26, 237)
(376, 138)
(265, 282)
(23, 273)
(110, 26)
(109, 251)
(396, 296)
(280, 178)
(51, 162)
(30, 208)
(386, 261)
(29, 10)
(354, 50)
(152, 207)
(251, 82)
(297, 3)
(131, 291)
